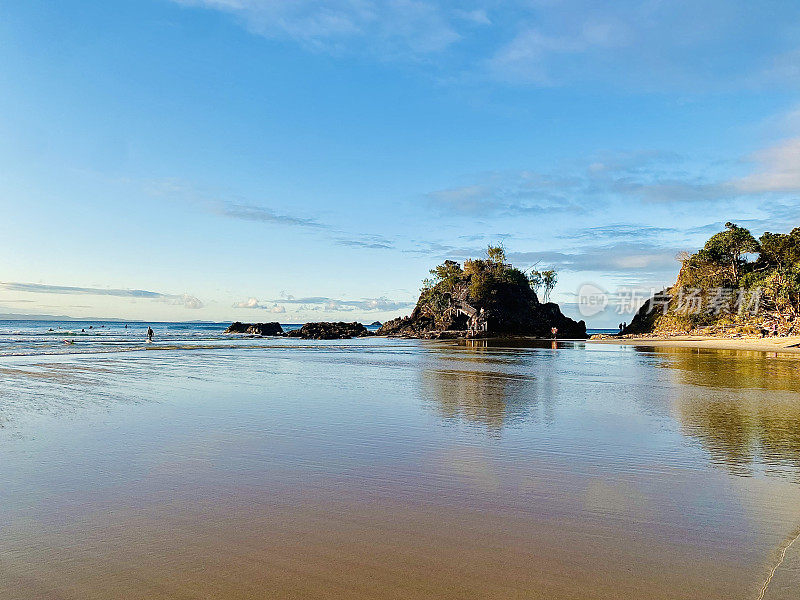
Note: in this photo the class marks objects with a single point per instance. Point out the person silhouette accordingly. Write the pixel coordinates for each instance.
(149, 334)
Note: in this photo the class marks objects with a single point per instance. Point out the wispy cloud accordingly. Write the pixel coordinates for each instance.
(324, 303)
(187, 300)
(228, 204)
(367, 241)
(635, 178)
(617, 257)
(262, 214)
(505, 193)
(778, 169)
(621, 257)
(393, 27)
(527, 57)
(628, 43)
(617, 231)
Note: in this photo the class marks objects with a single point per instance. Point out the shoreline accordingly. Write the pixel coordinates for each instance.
(789, 344)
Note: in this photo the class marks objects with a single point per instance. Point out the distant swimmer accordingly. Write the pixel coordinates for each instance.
(149, 334)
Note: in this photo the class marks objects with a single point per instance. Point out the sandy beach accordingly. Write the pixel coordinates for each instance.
(789, 344)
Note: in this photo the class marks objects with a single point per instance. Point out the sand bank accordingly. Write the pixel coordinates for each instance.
(771, 344)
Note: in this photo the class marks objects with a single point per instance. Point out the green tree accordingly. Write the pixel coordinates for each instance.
(549, 281)
(726, 252)
(496, 254)
(535, 280)
(780, 249)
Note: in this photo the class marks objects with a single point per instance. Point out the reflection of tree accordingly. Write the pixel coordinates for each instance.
(488, 398)
(752, 414)
(731, 368)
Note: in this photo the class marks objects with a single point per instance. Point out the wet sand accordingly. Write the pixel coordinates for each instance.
(400, 469)
(790, 344)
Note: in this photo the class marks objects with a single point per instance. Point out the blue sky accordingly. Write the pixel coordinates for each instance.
(273, 160)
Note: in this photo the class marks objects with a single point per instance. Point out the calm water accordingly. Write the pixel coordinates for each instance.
(205, 467)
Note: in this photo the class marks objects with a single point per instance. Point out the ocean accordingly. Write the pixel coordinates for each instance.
(30, 337)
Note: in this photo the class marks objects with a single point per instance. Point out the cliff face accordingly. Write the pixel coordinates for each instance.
(485, 298)
(734, 284)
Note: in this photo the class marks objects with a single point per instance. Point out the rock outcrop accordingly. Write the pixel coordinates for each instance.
(330, 331)
(537, 321)
(273, 328)
(486, 298)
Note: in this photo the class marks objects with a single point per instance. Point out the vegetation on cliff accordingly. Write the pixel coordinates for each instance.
(735, 279)
(486, 296)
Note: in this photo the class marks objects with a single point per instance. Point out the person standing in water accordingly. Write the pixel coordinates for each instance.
(149, 334)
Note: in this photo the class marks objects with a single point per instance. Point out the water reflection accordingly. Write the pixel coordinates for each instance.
(492, 399)
(731, 368)
(743, 408)
(497, 389)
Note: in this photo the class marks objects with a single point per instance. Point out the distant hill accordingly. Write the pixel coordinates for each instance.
(23, 317)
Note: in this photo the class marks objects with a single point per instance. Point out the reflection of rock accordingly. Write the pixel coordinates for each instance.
(256, 328)
(330, 331)
(752, 414)
(489, 398)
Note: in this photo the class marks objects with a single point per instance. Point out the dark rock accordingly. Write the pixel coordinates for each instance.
(375, 324)
(256, 328)
(489, 300)
(330, 331)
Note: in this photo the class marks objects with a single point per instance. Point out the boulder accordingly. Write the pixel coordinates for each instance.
(329, 331)
(273, 328)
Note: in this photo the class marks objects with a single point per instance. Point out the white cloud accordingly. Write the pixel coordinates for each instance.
(523, 59)
(779, 169)
(544, 42)
(249, 303)
(255, 304)
(478, 16)
(190, 301)
(393, 26)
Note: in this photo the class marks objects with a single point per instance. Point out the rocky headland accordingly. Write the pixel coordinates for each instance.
(736, 285)
(484, 298)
